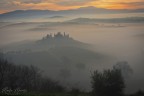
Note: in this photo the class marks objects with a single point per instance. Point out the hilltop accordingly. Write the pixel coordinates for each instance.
(60, 39)
(55, 53)
(47, 42)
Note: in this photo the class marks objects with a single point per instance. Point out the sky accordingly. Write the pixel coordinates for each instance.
(11, 5)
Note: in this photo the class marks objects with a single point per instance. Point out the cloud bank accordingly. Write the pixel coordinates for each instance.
(10, 5)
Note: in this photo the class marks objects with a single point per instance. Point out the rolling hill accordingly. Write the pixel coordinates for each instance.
(29, 14)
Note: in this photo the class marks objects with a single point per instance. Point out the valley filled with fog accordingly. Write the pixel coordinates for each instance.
(93, 43)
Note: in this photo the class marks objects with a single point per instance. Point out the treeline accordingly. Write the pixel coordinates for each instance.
(24, 77)
(29, 79)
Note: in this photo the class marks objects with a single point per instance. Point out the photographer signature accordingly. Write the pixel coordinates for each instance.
(9, 91)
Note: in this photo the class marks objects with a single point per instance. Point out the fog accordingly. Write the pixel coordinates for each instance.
(110, 43)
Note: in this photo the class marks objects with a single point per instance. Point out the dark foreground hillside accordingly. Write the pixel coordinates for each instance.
(22, 80)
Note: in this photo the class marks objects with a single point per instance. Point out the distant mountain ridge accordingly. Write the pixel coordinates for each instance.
(84, 10)
(25, 13)
(109, 20)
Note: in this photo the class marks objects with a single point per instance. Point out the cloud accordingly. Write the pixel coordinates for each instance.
(9, 5)
(54, 1)
(134, 4)
(126, 5)
(74, 2)
(30, 1)
(118, 4)
(57, 2)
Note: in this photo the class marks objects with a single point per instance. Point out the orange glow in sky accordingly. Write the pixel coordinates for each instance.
(11, 5)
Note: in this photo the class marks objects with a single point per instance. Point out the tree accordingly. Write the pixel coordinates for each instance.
(108, 83)
(25, 77)
(125, 68)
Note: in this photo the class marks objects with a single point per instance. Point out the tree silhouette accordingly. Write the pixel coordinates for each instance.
(25, 77)
(108, 83)
(125, 68)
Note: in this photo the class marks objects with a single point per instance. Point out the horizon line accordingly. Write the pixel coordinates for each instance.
(65, 9)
